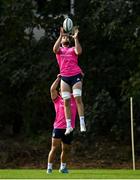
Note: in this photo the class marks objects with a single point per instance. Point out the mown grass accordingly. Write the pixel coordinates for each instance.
(73, 174)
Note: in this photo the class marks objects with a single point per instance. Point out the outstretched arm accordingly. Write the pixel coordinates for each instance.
(53, 89)
(58, 42)
(78, 48)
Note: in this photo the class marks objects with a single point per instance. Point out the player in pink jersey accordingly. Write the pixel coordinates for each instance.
(71, 76)
(58, 135)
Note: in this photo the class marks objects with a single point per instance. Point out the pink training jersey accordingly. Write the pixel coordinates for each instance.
(60, 121)
(68, 61)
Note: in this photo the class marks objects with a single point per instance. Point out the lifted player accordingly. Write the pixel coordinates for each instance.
(71, 76)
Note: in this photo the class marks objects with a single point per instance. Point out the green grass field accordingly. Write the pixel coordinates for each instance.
(73, 174)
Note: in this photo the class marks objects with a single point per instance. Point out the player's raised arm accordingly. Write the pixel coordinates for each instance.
(58, 42)
(78, 48)
(53, 89)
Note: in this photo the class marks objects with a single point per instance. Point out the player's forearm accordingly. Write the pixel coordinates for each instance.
(78, 47)
(57, 44)
(55, 84)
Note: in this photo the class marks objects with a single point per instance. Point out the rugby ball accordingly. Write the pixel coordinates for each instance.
(67, 25)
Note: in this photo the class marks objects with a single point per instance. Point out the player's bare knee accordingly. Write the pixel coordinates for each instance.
(54, 148)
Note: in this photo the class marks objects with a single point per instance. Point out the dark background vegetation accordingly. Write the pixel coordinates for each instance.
(110, 37)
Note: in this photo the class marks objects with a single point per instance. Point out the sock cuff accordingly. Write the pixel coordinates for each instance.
(50, 165)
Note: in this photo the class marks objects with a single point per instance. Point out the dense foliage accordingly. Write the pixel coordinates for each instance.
(110, 37)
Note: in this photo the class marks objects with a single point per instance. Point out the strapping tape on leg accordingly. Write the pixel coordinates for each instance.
(77, 92)
(66, 95)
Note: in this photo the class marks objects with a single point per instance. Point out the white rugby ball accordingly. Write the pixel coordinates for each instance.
(67, 25)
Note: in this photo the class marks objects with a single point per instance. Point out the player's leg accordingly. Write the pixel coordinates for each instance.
(66, 145)
(64, 157)
(66, 95)
(77, 93)
(55, 145)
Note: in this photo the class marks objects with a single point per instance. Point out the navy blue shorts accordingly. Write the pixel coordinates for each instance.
(60, 134)
(72, 79)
